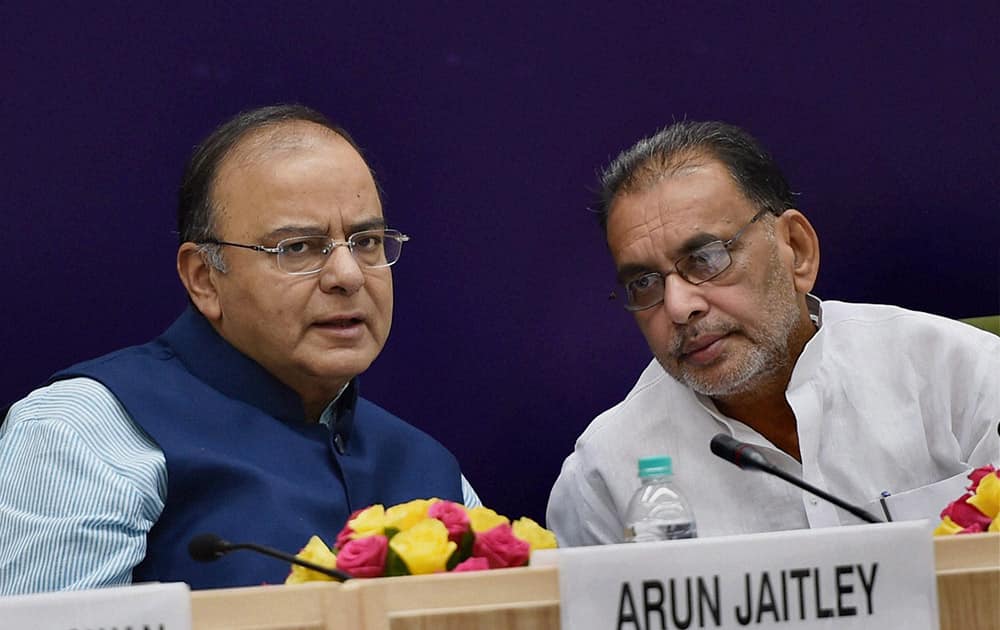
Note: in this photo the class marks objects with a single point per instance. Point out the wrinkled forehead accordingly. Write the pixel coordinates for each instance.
(295, 172)
(658, 192)
(672, 212)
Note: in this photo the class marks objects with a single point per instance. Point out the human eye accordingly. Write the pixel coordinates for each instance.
(705, 262)
(302, 247)
(644, 283)
(368, 241)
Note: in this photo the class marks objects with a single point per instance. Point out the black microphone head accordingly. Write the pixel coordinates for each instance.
(724, 446)
(207, 547)
(740, 453)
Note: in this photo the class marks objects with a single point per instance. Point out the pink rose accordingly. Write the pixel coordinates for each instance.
(454, 517)
(472, 564)
(975, 528)
(977, 475)
(364, 557)
(345, 533)
(501, 548)
(965, 515)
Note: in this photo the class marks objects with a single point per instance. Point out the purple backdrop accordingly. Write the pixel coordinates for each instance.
(486, 126)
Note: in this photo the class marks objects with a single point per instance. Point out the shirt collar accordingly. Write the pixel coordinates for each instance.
(815, 310)
(329, 415)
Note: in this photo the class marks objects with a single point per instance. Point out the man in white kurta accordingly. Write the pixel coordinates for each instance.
(717, 265)
(887, 400)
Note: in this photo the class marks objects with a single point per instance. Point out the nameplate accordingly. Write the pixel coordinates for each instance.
(865, 576)
(139, 607)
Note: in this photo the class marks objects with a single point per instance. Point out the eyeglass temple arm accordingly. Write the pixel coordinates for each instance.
(256, 248)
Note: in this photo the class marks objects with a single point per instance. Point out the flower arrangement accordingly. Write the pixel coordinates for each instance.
(424, 536)
(978, 510)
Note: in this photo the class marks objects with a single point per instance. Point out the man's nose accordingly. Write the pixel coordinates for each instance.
(682, 300)
(341, 272)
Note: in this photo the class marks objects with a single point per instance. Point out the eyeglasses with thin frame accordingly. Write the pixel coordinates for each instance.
(697, 267)
(303, 255)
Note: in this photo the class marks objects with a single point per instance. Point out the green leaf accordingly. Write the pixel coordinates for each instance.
(394, 565)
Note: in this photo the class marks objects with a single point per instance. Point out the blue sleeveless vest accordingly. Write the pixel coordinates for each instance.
(243, 462)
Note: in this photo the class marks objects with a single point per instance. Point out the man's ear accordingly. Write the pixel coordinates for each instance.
(798, 235)
(198, 278)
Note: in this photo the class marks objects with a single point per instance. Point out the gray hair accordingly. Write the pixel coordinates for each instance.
(678, 145)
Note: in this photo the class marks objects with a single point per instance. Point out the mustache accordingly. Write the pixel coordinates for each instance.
(690, 332)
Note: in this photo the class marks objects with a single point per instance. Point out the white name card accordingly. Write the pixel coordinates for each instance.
(865, 576)
(139, 607)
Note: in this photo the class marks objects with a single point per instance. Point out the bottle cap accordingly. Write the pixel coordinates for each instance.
(654, 466)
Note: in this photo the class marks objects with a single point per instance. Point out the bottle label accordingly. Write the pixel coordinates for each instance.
(651, 531)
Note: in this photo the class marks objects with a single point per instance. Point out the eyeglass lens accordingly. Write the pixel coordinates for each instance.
(699, 266)
(371, 248)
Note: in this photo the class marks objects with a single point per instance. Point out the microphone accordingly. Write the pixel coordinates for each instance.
(748, 458)
(209, 548)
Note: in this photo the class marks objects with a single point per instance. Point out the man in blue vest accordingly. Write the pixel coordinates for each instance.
(243, 418)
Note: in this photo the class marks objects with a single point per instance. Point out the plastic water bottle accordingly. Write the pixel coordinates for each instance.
(657, 510)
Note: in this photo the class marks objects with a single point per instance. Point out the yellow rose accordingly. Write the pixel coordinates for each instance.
(995, 525)
(424, 547)
(946, 527)
(987, 497)
(534, 534)
(369, 522)
(316, 552)
(484, 519)
(406, 515)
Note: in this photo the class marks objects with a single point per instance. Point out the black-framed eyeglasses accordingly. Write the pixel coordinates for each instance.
(696, 267)
(303, 255)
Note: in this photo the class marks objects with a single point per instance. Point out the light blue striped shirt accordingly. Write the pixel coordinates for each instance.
(81, 486)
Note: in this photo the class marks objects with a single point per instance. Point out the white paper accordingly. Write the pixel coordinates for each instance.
(140, 607)
(925, 502)
(865, 576)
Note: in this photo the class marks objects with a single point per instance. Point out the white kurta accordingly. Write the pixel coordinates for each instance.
(885, 400)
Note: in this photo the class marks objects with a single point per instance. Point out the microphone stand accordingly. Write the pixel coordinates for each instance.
(808, 487)
(340, 576)
(209, 548)
(746, 456)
